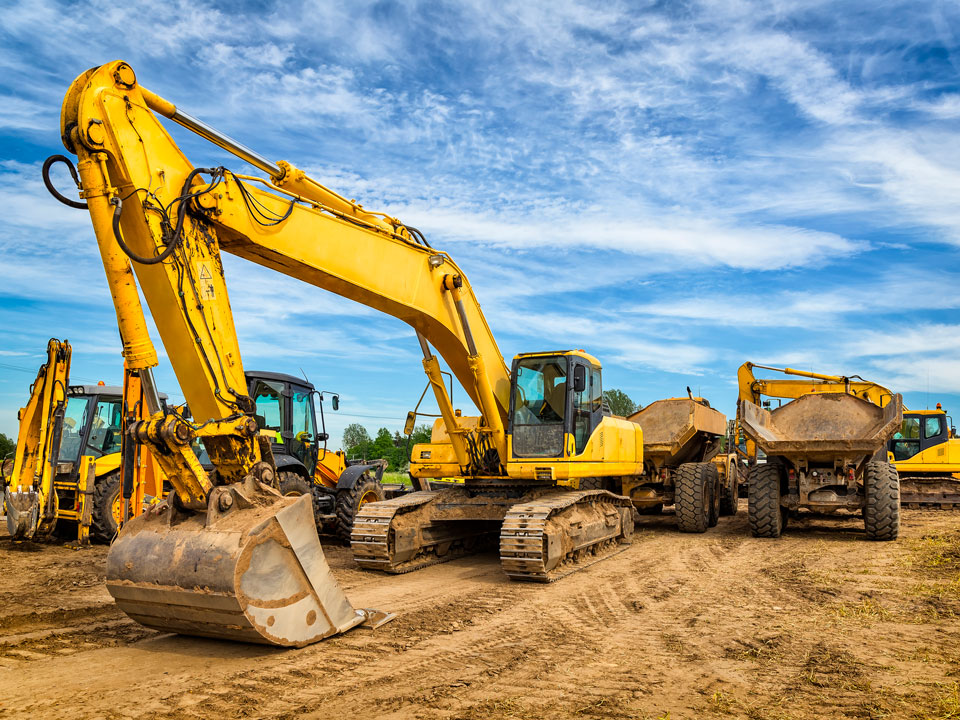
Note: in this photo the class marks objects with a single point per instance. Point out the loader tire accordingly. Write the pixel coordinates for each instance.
(767, 518)
(881, 510)
(730, 492)
(693, 496)
(292, 483)
(349, 502)
(107, 512)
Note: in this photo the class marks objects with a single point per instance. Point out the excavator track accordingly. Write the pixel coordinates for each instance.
(399, 535)
(929, 492)
(562, 532)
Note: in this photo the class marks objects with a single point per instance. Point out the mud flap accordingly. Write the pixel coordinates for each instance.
(23, 513)
(254, 571)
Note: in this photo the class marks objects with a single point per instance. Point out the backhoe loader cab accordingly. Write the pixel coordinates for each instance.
(286, 414)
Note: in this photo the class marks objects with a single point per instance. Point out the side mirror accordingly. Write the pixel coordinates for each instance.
(579, 378)
(409, 423)
(335, 402)
(322, 437)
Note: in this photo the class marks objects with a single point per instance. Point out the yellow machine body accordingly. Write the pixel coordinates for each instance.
(162, 223)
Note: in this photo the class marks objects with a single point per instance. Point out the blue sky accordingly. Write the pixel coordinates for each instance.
(675, 187)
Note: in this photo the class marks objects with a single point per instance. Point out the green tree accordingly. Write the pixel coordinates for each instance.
(355, 439)
(7, 446)
(619, 402)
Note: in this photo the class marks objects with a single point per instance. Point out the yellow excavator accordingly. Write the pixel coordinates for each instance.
(66, 476)
(226, 554)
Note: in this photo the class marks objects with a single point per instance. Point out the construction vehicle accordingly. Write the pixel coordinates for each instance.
(926, 453)
(286, 415)
(66, 474)
(226, 554)
(680, 438)
(825, 450)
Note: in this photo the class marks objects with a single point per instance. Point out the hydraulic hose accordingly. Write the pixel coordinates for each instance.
(45, 172)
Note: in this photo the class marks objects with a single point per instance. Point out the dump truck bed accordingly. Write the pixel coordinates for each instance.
(822, 427)
(675, 429)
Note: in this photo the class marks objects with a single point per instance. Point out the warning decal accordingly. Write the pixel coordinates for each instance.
(205, 278)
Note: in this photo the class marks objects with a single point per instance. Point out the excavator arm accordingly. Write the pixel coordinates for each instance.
(29, 495)
(754, 389)
(149, 205)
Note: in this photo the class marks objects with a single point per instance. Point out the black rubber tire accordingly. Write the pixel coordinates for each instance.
(692, 497)
(767, 517)
(348, 500)
(711, 470)
(292, 483)
(881, 509)
(103, 526)
(730, 491)
(593, 483)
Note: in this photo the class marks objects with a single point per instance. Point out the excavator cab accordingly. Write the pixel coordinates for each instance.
(556, 404)
(921, 430)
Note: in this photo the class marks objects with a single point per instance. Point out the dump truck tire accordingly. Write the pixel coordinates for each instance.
(881, 510)
(714, 496)
(730, 492)
(767, 518)
(292, 483)
(106, 494)
(349, 501)
(692, 495)
(593, 483)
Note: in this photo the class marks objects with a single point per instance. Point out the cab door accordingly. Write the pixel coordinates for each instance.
(586, 404)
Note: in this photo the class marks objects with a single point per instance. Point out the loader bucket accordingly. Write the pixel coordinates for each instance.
(250, 569)
(23, 513)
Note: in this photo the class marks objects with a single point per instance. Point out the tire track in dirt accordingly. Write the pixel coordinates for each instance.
(695, 625)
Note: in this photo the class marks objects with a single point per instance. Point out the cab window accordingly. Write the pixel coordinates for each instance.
(269, 398)
(302, 444)
(105, 429)
(932, 427)
(539, 406)
(909, 430)
(74, 421)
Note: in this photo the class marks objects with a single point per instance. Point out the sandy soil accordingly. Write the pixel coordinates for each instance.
(820, 624)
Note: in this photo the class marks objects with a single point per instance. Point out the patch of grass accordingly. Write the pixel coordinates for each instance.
(946, 704)
(867, 609)
(938, 553)
(393, 478)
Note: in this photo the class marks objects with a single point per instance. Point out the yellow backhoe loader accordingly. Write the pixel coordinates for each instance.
(66, 474)
(825, 450)
(228, 555)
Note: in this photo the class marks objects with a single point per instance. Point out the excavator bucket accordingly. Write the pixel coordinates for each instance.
(23, 513)
(250, 569)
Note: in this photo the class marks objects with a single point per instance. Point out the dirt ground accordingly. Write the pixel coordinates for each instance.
(820, 624)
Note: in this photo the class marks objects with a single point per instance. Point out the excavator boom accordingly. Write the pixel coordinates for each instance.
(225, 554)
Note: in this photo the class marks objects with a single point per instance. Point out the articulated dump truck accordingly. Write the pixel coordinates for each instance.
(826, 453)
(680, 438)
